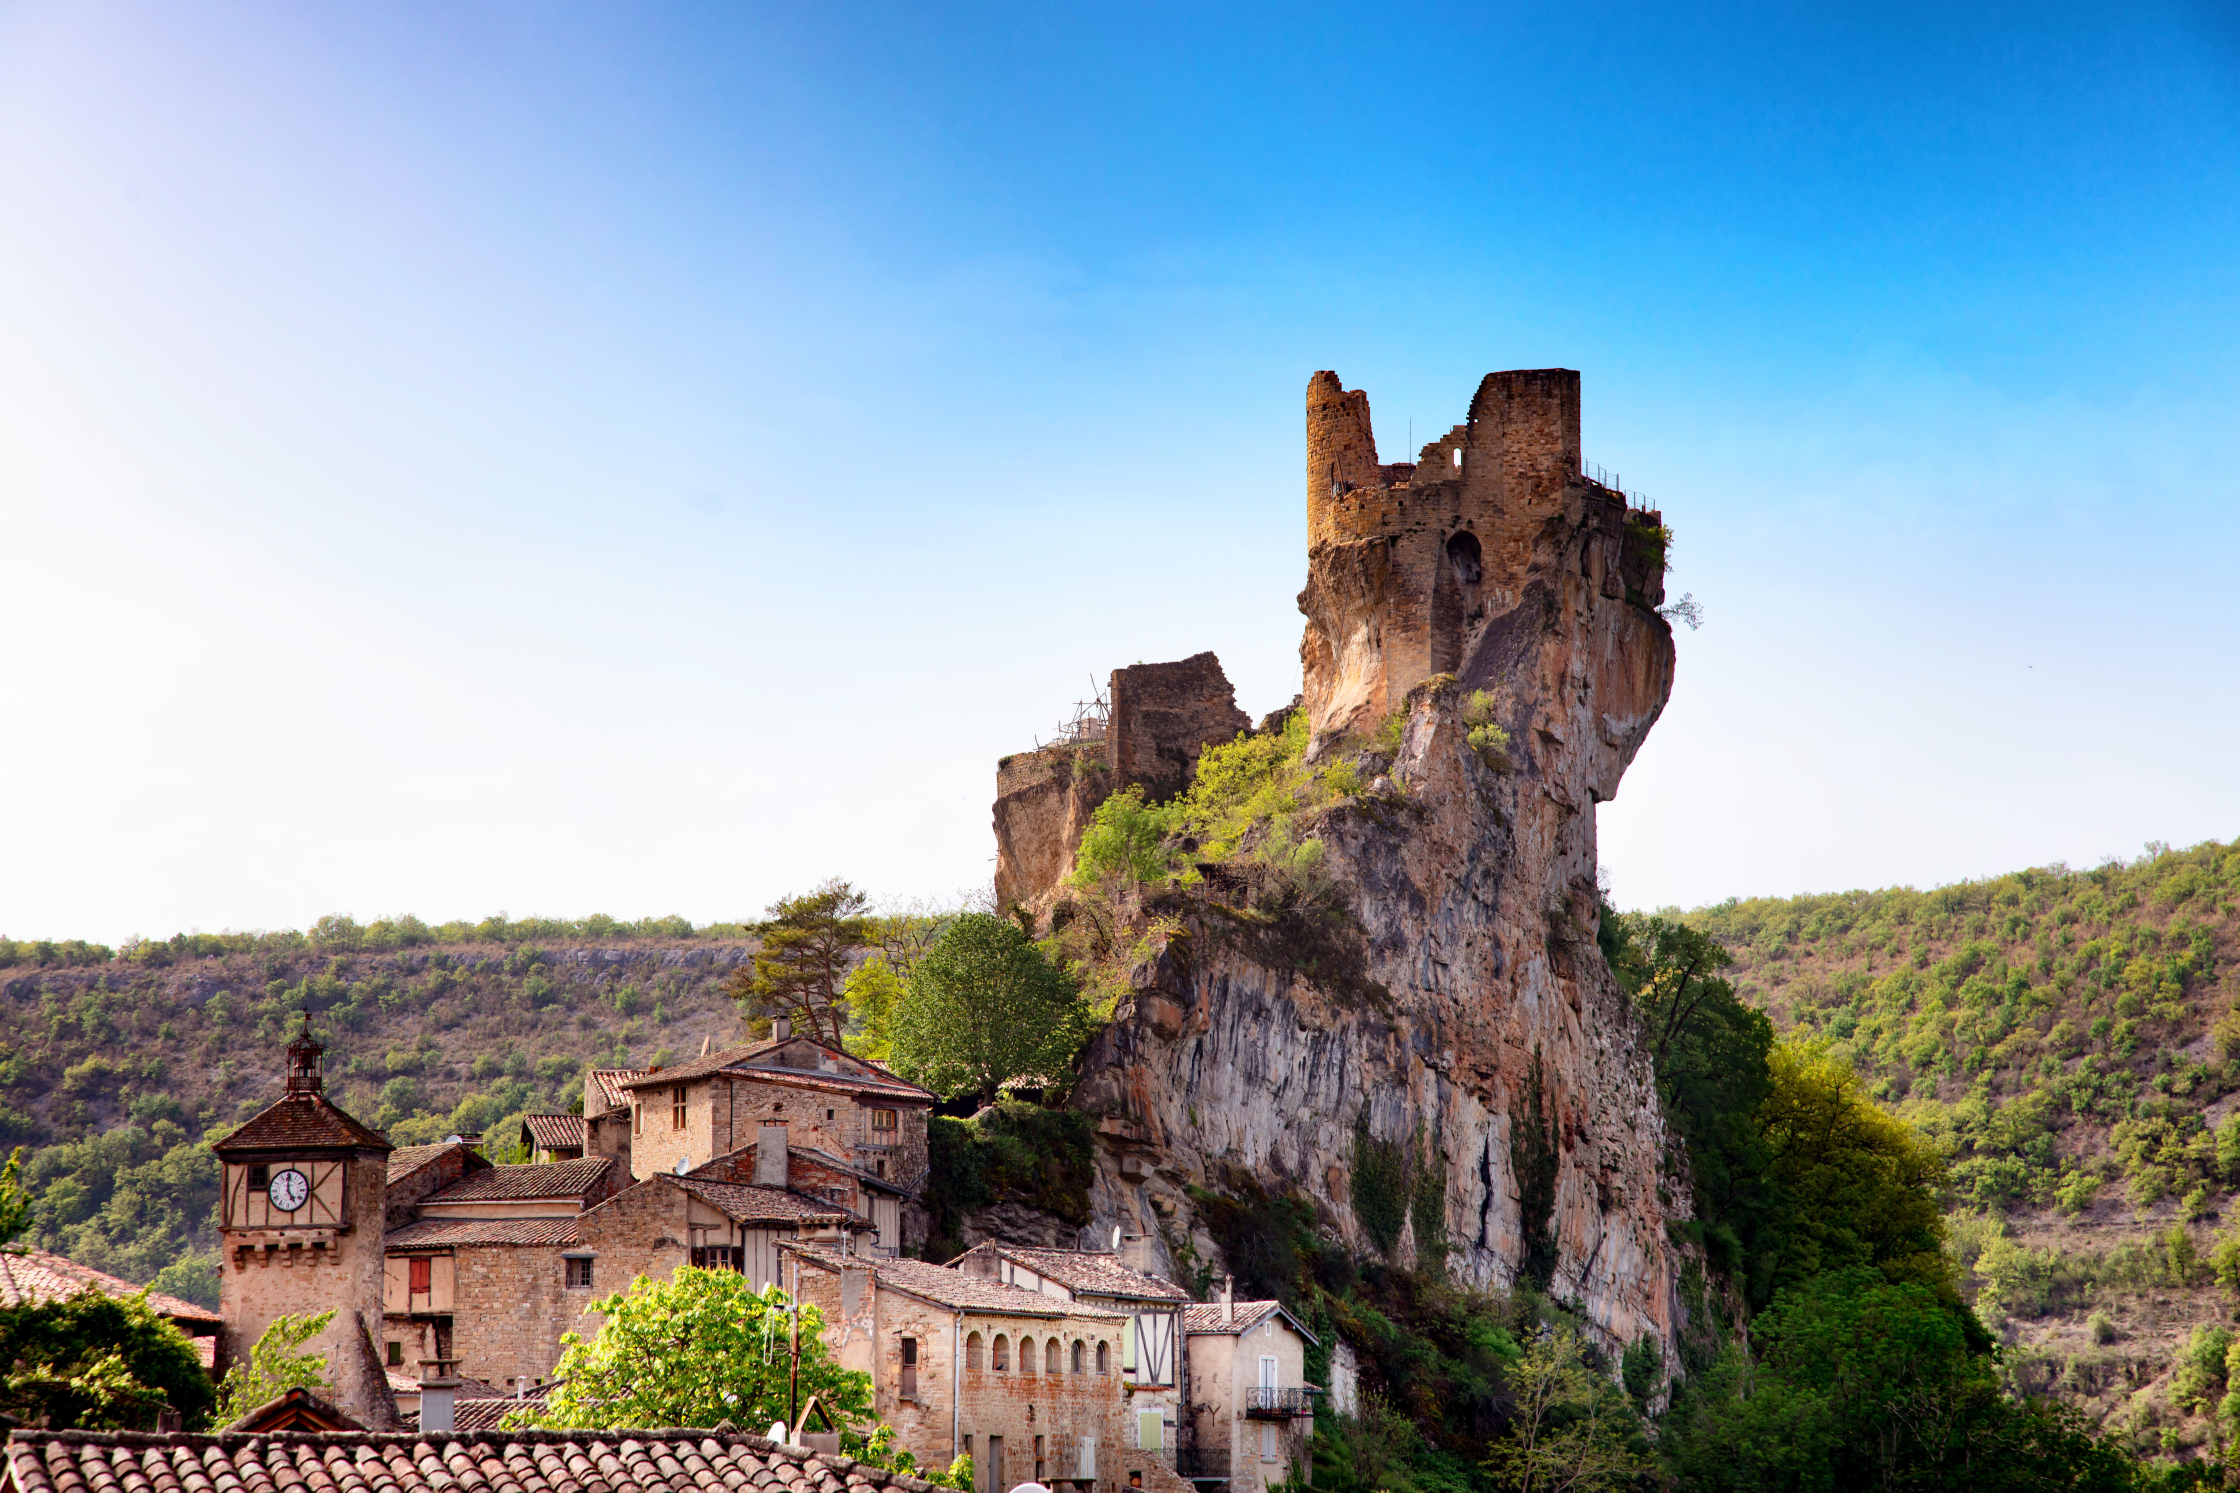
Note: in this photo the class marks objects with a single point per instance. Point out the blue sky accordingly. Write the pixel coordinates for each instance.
(647, 459)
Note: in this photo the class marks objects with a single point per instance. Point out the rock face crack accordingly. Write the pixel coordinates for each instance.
(1455, 951)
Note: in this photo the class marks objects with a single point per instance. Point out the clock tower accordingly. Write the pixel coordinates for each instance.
(300, 1230)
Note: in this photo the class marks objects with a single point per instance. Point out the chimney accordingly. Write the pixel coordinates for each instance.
(1228, 1301)
(439, 1392)
(781, 1029)
(770, 1155)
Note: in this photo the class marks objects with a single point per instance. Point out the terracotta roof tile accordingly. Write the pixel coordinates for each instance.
(301, 1120)
(1098, 1274)
(1206, 1318)
(663, 1461)
(434, 1233)
(760, 1204)
(611, 1081)
(37, 1275)
(555, 1132)
(547, 1179)
(740, 1061)
(405, 1160)
(956, 1290)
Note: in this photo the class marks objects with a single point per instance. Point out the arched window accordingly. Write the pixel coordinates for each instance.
(1080, 1357)
(1003, 1353)
(1027, 1355)
(1104, 1358)
(1055, 1359)
(972, 1353)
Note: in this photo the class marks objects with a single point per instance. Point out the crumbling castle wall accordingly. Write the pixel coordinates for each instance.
(1161, 717)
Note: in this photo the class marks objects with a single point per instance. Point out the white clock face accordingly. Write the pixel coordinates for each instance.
(288, 1191)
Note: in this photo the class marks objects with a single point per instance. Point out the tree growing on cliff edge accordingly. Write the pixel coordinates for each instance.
(986, 1006)
(808, 947)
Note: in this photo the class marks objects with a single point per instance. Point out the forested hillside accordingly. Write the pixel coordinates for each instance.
(2069, 1039)
(116, 1067)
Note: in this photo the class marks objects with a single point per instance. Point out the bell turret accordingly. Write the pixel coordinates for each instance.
(306, 1061)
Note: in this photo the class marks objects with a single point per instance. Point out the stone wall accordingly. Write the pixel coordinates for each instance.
(511, 1302)
(1163, 716)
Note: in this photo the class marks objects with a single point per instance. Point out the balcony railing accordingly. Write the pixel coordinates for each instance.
(1277, 1404)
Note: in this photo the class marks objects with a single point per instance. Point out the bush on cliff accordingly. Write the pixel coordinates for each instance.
(987, 1006)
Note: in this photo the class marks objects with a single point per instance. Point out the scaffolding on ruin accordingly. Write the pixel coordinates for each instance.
(1087, 726)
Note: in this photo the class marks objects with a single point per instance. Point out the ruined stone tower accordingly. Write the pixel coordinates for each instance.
(1406, 563)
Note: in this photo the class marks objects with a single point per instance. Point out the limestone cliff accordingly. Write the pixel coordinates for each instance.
(1456, 942)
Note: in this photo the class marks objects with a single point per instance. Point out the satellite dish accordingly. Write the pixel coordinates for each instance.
(684, 1164)
(1116, 1238)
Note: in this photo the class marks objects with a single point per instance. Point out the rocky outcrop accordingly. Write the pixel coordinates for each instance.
(1402, 1011)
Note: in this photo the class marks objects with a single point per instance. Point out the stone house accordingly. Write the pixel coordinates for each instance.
(1251, 1409)
(1151, 1343)
(1027, 1384)
(816, 1174)
(477, 1272)
(492, 1270)
(829, 1100)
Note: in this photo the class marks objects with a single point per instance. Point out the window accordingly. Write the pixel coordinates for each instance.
(1080, 1357)
(1149, 1425)
(423, 1276)
(1270, 1443)
(718, 1257)
(1104, 1358)
(1003, 1353)
(676, 1107)
(885, 1119)
(909, 1387)
(579, 1273)
(1054, 1360)
(972, 1357)
(882, 1165)
(396, 1353)
(1028, 1358)
(1038, 1463)
(637, 1119)
(1267, 1372)
(828, 1114)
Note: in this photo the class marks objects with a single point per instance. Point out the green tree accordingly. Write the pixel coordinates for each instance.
(807, 950)
(874, 993)
(276, 1365)
(15, 1202)
(1710, 1056)
(1573, 1431)
(1856, 1185)
(986, 1006)
(97, 1362)
(1859, 1382)
(701, 1347)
